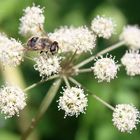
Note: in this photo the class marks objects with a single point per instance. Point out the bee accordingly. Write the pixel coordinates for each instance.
(42, 44)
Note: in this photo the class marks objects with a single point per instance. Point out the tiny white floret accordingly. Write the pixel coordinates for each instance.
(103, 26)
(131, 61)
(47, 65)
(73, 101)
(71, 39)
(11, 51)
(131, 36)
(105, 69)
(12, 100)
(125, 117)
(31, 23)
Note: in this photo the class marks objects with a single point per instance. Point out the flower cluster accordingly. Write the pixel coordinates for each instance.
(77, 40)
(11, 51)
(32, 21)
(131, 61)
(125, 117)
(105, 69)
(103, 27)
(12, 100)
(131, 36)
(47, 65)
(72, 39)
(73, 101)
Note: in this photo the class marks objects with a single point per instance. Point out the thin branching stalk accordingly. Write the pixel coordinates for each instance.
(93, 95)
(72, 57)
(84, 70)
(29, 58)
(74, 81)
(103, 102)
(40, 82)
(66, 81)
(43, 107)
(111, 48)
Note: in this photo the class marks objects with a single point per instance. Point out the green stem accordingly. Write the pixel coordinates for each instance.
(84, 70)
(66, 81)
(115, 46)
(43, 107)
(74, 81)
(29, 58)
(40, 82)
(93, 95)
(103, 102)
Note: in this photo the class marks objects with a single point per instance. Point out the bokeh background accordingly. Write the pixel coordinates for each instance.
(97, 123)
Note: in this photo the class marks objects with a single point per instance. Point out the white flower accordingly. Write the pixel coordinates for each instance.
(125, 117)
(131, 36)
(102, 26)
(105, 69)
(73, 101)
(47, 65)
(12, 100)
(32, 21)
(11, 51)
(131, 61)
(71, 39)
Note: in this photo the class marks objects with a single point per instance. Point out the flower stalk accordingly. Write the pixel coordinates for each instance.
(111, 48)
(93, 95)
(40, 82)
(43, 107)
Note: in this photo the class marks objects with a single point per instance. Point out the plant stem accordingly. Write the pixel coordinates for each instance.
(74, 81)
(84, 70)
(43, 107)
(115, 46)
(66, 81)
(93, 95)
(29, 58)
(103, 102)
(40, 82)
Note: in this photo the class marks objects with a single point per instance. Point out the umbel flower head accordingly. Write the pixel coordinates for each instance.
(131, 36)
(73, 39)
(11, 51)
(12, 100)
(105, 69)
(31, 23)
(73, 101)
(131, 61)
(47, 65)
(103, 27)
(125, 117)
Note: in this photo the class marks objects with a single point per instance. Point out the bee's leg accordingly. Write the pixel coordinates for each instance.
(41, 52)
(46, 52)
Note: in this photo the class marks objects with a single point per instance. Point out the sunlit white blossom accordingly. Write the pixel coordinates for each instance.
(125, 117)
(31, 23)
(47, 65)
(71, 39)
(11, 51)
(12, 100)
(73, 101)
(103, 27)
(131, 36)
(131, 61)
(105, 69)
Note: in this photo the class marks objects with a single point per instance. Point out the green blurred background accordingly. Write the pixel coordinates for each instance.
(96, 124)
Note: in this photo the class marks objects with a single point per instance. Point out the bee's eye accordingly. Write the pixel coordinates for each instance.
(54, 47)
(32, 41)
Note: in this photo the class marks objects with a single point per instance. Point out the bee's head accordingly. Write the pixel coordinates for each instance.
(32, 42)
(54, 47)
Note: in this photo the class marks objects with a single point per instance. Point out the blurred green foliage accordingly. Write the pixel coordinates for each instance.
(96, 124)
